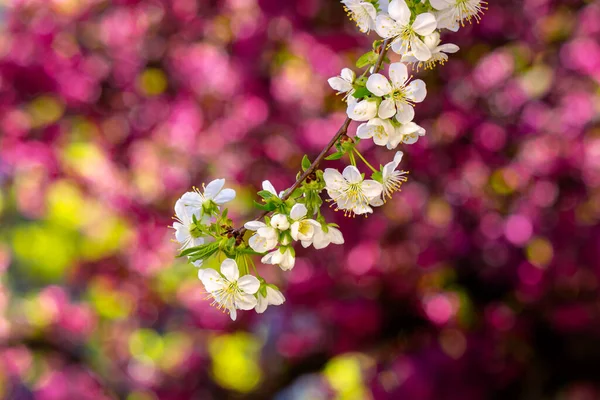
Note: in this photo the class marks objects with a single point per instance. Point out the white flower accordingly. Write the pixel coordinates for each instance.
(280, 222)
(322, 239)
(343, 83)
(350, 191)
(228, 289)
(453, 13)
(274, 298)
(362, 12)
(438, 52)
(392, 180)
(399, 97)
(302, 228)
(265, 238)
(185, 229)
(268, 186)
(407, 133)
(363, 110)
(213, 193)
(378, 129)
(284, 257)
(406, 35)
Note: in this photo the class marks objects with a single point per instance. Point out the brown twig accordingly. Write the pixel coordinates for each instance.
(341, 132)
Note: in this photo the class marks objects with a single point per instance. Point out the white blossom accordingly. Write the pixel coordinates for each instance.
(228, 289)
(438, 52)
(350, 190)
(392, 180)
(361, 12)
(344, 82)
(283, 256)
(213, 193)
(265, 238)
(302, 228)
(363, 110)
(268, 186)
(274, 298)
(399, 95)
(185, 229)
(406, 35)
(280, 222)
(407, 133)
(322, 239)
(453, 13)
(380, 130)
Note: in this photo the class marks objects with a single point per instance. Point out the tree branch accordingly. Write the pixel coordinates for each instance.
(341, 132)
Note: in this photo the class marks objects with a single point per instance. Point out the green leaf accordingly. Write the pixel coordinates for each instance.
(378, 176)
(366, 59)
(201, 251)
(265, 207)
(305, 163)
(265, 194)
(335, 156)
(361, 92)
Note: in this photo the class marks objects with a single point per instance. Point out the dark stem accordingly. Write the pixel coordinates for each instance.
(341, 132)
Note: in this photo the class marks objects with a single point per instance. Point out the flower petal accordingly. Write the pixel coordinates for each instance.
(268, 186)
(298, 211)
(348, 75)
(440, 4)
(398, 74)
(254, 225)
(275, 297)
(232, 313)
(386, 27)
(225, 196)
(387, 109)
(379, 85)
(420, 50)
(339, 84)
(333, 178)
(424, 24)
(352, 174)
(229, 269)
(213, 188)
(447, 48)
(405, 113)
(364, 131)
(261, 304)
(399, 11)
(371, 188)
(417, 91)
(249, 284)
(211, 279)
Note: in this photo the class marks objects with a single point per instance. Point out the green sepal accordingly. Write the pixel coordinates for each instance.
(366, 59)
(378, 176)
(265, 194)
(361, 92)
(305, 163)
(265, 207)
(335, 156)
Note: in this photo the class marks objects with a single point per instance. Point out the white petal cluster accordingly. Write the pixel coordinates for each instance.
(228, 290)
(350, 191)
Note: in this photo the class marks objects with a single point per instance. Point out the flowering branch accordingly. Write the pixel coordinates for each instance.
(384, 105)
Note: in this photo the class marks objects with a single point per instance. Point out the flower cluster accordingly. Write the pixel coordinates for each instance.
(384, 105)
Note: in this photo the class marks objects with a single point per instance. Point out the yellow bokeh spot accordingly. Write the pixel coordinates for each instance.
(345, 375)
(45, 252)
(504, 181)
(85, 158)
(539, 252)
(109, 303)
(152, 82)
(235, 361)
(146, 345)
(45, 110)
(65, 204)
